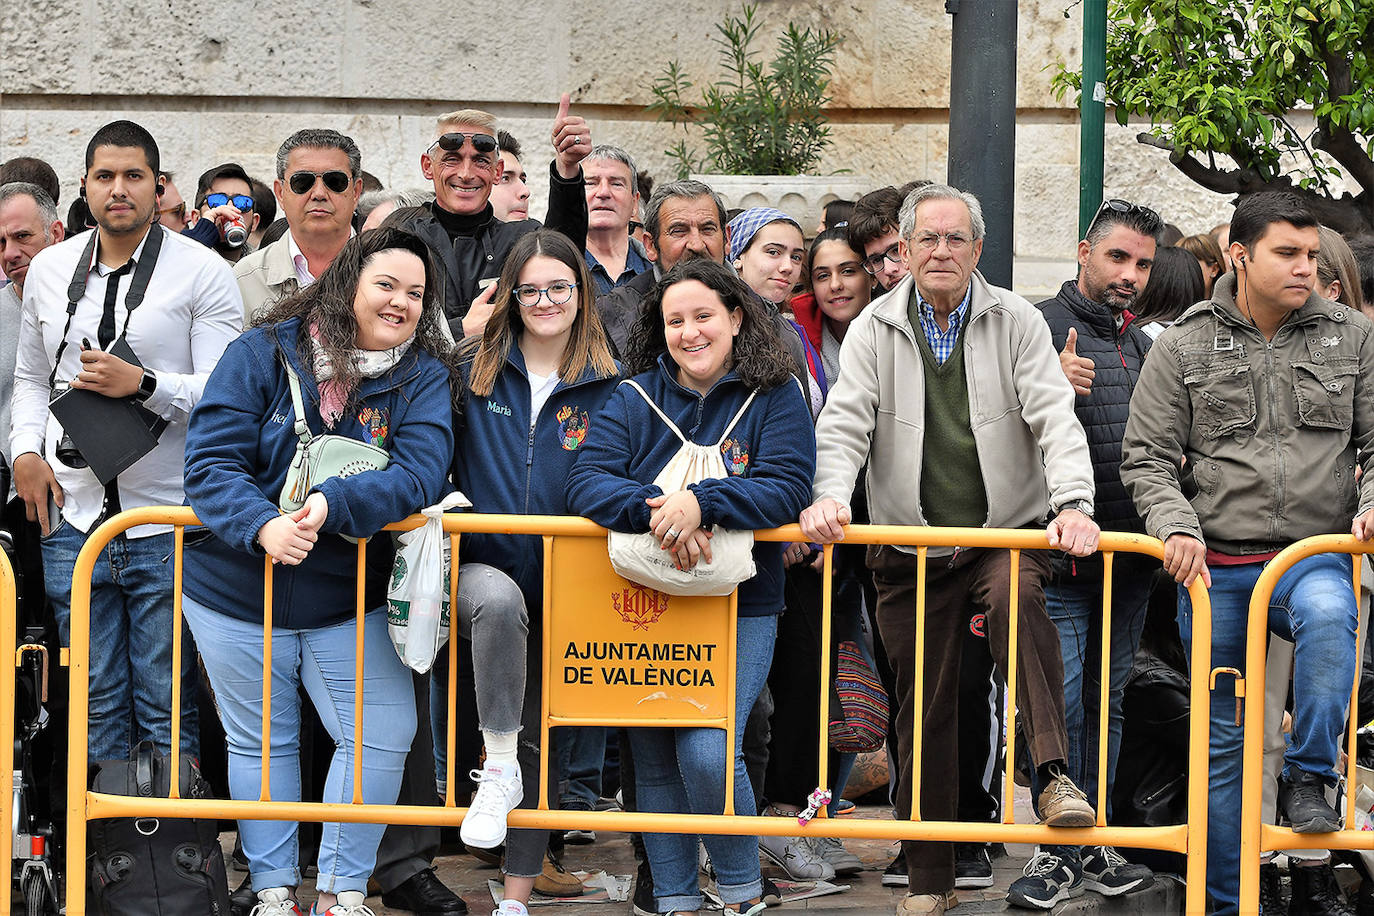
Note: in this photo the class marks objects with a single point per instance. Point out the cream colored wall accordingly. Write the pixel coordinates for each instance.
(212, 89)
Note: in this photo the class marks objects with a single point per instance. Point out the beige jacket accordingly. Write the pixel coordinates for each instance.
(1032, 450)
(265, 277)
(1269, 428)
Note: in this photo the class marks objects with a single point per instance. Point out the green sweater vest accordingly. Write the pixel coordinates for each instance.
(952, 493)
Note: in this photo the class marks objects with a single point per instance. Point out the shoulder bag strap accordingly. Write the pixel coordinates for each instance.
(650, 401)
(302, 428)
(747, 401)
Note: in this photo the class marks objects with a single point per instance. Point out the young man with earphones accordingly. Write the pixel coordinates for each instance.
(1243, 435)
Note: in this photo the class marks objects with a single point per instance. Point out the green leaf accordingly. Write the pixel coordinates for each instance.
(1303, 12)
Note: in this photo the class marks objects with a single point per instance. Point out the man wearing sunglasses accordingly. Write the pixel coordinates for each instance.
(1100, 352)
(464, 162)
(319, 181)
(224, 215)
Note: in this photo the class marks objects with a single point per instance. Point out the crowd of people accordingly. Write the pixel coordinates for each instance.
(1211, 394)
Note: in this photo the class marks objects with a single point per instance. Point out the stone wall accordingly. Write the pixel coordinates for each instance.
(230, 80)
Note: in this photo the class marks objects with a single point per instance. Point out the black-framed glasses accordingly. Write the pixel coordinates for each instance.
(453, 141)
(557, 292)
(1151, 222)
(334, 180)
(241, 201)
(874, 262)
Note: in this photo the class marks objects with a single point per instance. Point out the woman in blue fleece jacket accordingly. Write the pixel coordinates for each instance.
(700, 346)
(538, 375)
(366, 342)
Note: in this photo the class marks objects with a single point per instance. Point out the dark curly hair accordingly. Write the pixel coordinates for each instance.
(758, 355)
(328, 305)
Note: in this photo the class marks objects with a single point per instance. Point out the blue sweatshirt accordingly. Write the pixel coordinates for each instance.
(770, 458)
(239, 445)
(506, 466)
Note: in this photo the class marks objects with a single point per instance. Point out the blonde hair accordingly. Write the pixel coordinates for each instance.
(470, 116)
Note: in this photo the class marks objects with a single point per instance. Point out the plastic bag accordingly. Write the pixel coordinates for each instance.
(417, 605)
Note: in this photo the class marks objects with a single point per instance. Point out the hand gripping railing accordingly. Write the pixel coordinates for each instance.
(1189, 838)
(1257, 838)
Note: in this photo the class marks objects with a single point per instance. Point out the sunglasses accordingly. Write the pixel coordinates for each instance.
(241, 201)
(334, 180)
(179, 211)
(452, 142)
(1152, 221)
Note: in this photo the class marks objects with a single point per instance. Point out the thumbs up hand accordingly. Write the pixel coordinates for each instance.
(1077, 369)
(572, 140)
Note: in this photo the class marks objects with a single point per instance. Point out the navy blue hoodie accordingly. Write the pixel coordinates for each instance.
(239, 445)
(505, 466)
(770, 457)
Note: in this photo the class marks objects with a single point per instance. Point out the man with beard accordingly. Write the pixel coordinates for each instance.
(1101, 354)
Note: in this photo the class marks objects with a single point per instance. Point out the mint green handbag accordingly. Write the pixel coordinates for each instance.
(321, 457)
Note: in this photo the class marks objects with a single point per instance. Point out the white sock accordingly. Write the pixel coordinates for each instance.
(501, 748)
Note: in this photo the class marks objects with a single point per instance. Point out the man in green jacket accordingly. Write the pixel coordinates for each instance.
(1243, 435)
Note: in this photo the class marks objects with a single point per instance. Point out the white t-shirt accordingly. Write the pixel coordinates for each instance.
(541, 386)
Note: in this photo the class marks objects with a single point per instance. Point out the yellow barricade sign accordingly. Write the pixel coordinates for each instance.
(652, 658)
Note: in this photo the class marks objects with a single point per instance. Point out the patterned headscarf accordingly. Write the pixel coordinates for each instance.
(744, 227)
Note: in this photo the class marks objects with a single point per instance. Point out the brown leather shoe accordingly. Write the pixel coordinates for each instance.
(928, 904)
(555, 881)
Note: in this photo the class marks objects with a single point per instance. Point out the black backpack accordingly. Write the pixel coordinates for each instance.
(148, 866)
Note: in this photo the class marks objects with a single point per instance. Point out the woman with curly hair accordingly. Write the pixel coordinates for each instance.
(366, 347)
(700, 349)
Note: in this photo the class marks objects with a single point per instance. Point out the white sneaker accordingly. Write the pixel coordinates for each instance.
(832, 850)
(499, 790)
(796, 857)
(275, 901)
(510, 908)
(350, 903)
(748, 910)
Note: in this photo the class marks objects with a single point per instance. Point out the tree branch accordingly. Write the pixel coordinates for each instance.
(1337, 142)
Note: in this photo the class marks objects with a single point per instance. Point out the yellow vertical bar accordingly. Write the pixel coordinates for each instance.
(360, 614)
(546, 677)
(823, 750)
(1013, 622)
(1252, 747)
(730, 700)
(450, 733)
(1105, 682)
(1199, 729)
(178, 538)
(78, 725)
(918, 742)
(8, 638)
(265, 792)
(1351, 777)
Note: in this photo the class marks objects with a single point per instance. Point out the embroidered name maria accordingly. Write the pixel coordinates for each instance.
(498, 408)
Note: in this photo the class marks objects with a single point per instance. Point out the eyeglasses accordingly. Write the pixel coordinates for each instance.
(179, 211)
(453, 141)
(557, 293)
(874, 262)
(1150, 223)
(334, 180)
(929, 241)
(241, 201)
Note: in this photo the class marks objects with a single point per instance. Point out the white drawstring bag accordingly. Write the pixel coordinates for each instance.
(641, 557)
(417, 606)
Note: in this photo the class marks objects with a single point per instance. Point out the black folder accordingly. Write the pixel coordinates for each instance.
(111, 433)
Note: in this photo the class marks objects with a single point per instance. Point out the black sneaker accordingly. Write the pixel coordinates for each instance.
(771, 895)
(1272, 902)
(1302, 798)
(1106, 871)
(578, 836)
(643, 903)
(895, 874)
(972, 865)
(1316, 891)
(1048, 879)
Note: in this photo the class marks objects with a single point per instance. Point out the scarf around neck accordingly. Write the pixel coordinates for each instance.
(334, 395)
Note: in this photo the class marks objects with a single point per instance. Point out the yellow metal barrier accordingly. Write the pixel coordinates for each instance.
(8, 639)
(1257, 838)
(577, 563)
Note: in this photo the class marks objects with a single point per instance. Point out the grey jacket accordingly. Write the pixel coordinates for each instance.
(1269, 429)
(265, 277)
(1031, 447)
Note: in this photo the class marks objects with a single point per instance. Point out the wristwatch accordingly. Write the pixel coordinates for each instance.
(147, 385)
(1082, 505)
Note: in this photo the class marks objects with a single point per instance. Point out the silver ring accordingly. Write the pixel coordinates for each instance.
(672, 534)
(576, 140)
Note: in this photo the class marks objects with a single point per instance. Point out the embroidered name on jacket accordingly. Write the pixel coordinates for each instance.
(572, 428)
(498, 408)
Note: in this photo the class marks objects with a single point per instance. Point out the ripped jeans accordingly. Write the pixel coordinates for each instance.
(506, 660)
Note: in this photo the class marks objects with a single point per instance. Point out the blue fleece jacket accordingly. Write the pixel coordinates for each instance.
(505, 465)
(239, 445)
(770, 457)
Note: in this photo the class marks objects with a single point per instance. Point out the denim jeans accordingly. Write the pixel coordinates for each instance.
(1313, 605)
(679, 770)
(1075, 606)
(130, 641)
(581, 754)
(324, 661)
